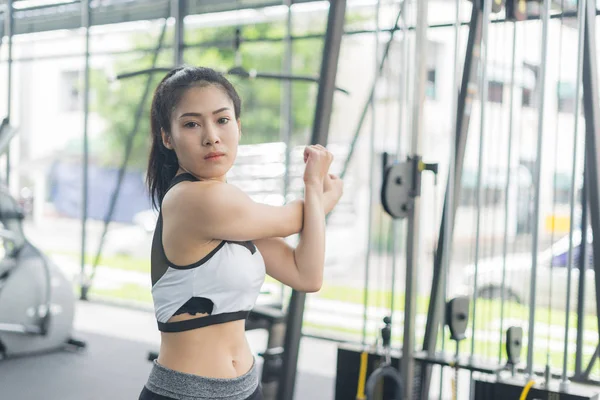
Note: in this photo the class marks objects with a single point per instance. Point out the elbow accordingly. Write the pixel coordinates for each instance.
(313, 285)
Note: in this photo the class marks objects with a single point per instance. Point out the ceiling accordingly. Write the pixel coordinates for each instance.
(47, 15)
(67, 14)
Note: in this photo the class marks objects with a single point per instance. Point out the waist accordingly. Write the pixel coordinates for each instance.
(173, 384)
(216, 351)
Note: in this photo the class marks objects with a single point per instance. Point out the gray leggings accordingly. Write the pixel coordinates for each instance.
(167, 384)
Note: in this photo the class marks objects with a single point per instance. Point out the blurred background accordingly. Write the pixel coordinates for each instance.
(76, 118)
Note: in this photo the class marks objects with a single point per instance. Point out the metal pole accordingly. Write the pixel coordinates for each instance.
(402, 113)
(592, 139)
(10, 29)
(286, 111)
(85, 22)
(412, 253)
(580, 25)
(583, 265)
(537, 178)
(371, 176)
(465, 101)
(590, 366)
(508, 182)
(483, 85)
(329, 66)
(178, 12)
(448, 213)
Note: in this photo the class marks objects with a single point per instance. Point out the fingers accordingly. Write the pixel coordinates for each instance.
(318, 149)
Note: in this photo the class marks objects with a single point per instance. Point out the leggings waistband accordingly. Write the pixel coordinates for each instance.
(182, 386)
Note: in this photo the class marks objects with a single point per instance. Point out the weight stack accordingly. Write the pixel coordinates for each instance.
(348, 369)
(512, 389)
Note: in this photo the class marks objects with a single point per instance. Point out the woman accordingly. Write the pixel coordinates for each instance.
(213, 244)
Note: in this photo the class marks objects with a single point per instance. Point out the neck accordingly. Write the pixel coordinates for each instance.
(183, 170)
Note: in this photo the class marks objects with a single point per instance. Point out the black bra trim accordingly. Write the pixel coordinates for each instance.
(247, 244)
(199, 262)
(201, 322)
(196, 305)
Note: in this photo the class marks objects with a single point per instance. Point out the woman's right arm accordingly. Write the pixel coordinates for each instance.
(222, 211)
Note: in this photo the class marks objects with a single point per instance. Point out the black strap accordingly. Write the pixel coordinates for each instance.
(201, 322)
(186, 176)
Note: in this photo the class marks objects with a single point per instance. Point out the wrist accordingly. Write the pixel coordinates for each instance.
(328, 201)
(313, 183)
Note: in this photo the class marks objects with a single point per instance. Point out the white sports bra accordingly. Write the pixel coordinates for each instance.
(224, 284)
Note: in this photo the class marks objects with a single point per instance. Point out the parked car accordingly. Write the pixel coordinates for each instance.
(551, 279)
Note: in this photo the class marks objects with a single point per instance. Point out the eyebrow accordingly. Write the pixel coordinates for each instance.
(193, 114)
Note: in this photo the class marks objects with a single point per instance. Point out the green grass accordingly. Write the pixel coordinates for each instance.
(375, 298)
(117, 261)
(486, 350)
(126, 292)
(488, 311)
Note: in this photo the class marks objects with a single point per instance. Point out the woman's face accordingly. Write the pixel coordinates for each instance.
(204, 132)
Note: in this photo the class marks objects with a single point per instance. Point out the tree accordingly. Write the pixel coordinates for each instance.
(261, 99)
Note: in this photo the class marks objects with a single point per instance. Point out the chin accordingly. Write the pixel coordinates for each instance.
(214, 173)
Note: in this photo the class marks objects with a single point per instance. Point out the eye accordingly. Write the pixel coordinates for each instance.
(191, 124)
(223, 120)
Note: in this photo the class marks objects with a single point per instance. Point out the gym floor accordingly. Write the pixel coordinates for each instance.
(114, 365)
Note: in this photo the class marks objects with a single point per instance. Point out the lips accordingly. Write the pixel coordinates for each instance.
(214, 155)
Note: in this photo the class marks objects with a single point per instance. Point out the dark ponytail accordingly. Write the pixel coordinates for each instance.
(163, 163)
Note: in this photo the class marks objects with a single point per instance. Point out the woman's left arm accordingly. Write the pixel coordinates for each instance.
(280, 263)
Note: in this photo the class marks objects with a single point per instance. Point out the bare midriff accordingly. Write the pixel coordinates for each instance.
(214, 351)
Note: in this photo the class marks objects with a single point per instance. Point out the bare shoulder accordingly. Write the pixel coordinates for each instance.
(189, 192)
(218, 210)
(204, 199)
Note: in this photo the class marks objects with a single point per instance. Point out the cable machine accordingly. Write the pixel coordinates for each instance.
(401, 185)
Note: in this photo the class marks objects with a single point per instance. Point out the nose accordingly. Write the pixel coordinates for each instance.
(210, 136)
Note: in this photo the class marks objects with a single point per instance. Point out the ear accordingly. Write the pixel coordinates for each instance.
(239, 123)
(166, 139)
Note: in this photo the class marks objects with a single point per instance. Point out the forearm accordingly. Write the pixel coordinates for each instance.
(310, 251)
(295, 212)
(329, 201)
(293, 217)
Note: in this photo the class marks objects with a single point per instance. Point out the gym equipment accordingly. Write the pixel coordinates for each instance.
(271, 318)
(402, 184)
(385, 370)
(355, 363)
(490, 389)
(457, 317)
(516, 10)
(37, 303)
(514, 346)
(497, 5)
